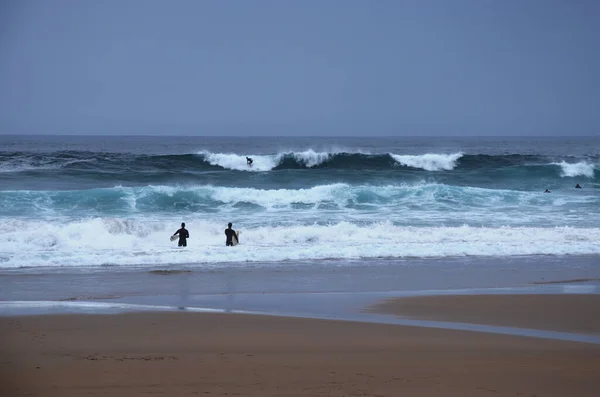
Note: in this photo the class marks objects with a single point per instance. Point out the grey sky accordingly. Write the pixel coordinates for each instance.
(305, 67)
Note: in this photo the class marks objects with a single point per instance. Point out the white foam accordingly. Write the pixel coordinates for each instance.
(311, 158)
(234, 161)
(18, 306)
(275, 198)
(123, 242)
(576, 169)
(339, 193)
(429, 161)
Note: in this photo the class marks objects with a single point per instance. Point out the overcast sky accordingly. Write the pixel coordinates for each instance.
(304, 67)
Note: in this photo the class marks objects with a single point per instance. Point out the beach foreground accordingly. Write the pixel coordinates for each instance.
(178, 354)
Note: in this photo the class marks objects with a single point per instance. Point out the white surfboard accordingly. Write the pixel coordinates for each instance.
(173, 238)
(235, 240)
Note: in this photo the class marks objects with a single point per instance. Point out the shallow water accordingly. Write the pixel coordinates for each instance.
(312, 290)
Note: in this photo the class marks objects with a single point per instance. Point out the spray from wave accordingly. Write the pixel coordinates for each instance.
(582, 168)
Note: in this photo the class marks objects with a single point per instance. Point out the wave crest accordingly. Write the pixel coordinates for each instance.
(429, 161)
(208, 199)
(116, 163)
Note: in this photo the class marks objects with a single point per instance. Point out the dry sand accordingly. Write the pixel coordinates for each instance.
(185, 354)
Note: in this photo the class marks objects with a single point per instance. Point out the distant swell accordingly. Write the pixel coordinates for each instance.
(116, 163)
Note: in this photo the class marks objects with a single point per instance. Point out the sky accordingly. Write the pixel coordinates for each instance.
(300, 67)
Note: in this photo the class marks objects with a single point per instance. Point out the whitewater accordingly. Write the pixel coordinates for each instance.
(79, 202)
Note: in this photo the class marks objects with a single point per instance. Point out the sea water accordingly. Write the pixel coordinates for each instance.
(97, 202)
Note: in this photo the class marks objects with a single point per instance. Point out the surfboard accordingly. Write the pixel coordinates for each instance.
(175, 237)
(235, 240)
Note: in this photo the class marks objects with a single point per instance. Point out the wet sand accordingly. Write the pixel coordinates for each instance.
(177, 354)
(576, 313)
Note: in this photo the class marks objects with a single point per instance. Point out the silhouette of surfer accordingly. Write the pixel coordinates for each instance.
(547, 191)
(183, 236)
(577, 186)
(249, 161)
(230, 233)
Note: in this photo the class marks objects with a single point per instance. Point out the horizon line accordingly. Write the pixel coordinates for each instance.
(299, 136)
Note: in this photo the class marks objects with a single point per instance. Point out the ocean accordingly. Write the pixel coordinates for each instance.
(88, 202)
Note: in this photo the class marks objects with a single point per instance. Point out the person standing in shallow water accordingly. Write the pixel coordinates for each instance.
(230, 233)
(183, 236)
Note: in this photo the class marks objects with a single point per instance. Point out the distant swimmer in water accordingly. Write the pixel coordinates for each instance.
(547, 191)
(249, 161)
(230, 233)
(577, 186)
(183, 236)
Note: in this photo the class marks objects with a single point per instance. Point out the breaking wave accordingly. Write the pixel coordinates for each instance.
(123, 242)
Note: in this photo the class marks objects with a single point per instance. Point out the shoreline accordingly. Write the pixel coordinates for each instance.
(365, 276)
(562, 317)
(571, 313)
(313, 290)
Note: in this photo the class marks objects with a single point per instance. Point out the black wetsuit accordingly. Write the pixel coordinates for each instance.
(183, 235)
(249, 160)
(229, 233)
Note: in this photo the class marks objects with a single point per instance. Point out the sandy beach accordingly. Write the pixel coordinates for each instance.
(576, 313)
(179, 354)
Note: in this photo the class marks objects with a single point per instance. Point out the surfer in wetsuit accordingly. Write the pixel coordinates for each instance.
(249, 161)
(230, 233)
(578, 186)
(183, 236)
